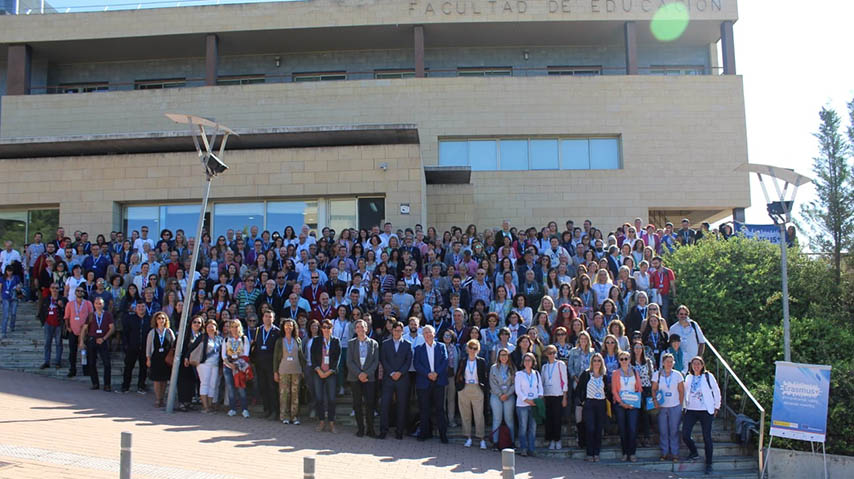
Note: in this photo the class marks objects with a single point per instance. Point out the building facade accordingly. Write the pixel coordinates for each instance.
(352, 112)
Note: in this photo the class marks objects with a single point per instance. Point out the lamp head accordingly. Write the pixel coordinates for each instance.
(214, 165)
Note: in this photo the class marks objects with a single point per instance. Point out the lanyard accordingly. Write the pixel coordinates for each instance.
(77, 309)
(289, 345)
(269, 300)
(625, 379)
(471, 366)
(265, 335)
(668, 379)
(530, 378)
(280, 291)
(98, 318)
(551, 370)
(504, 372)
(654, 337)
(149, 308)
(160, 335)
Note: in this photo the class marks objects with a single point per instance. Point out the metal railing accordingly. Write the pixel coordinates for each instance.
(729, 412)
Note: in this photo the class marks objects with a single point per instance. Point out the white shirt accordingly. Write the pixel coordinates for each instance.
(72, 284)
(9, 257)
(471, 372)
(429, 350)
(669, 387)
(138, 244)
(528, 387)
(689, 344)
(555, 381)
(699, 396)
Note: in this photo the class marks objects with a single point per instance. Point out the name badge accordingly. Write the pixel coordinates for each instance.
(77, 318)
(263, 348)
(598, 396)
(668, 394)
(325, 359)
(160, 350)
(290, 358)
(99, 331)
(471, 381)
(530, 395)
(233, 356)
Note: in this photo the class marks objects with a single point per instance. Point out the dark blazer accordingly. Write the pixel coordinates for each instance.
(334, 353)
(396, 361)
(422, 365)
(482, 379)
(581, 387)
(60, 309)
(354, 365)
(633, 320)
(273, 300)
(135, 331)
(258, 341)
(613, 266)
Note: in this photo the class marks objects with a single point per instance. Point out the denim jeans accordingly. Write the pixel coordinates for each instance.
(668, 429)
(627, 422)
(594, 421)
(502, 410)
(705, 419)
(325, 391)
(234, 393)
(10, 310)
(52, 333)
(527, 427)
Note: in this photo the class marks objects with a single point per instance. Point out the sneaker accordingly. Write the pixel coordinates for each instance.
(246, 413)
(708, 469)
(625, 458)
(524, 453)
(312, 414)
(551, 445)
(320, 427)
(285, 421)
(595, 458)
(589, 459)
(295, 422)
(633, 458)
(483, 444)
(232, 413)
(693, 457)
(352, 412)
(44, 366)
(467, 443)
(558, 446)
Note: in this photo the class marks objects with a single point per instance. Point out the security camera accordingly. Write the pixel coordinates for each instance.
(384, 166)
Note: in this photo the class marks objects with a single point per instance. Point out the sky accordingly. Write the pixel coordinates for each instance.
(794, 58)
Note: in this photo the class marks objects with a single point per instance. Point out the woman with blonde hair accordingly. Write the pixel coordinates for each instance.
(591, 391)
(159, 343)
(502, 394)
(235, 360)
(625, 382)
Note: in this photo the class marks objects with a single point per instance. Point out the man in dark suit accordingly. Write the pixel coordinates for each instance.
(134, 334)
(396, 357)
(613, 262)
(431, 379)
(363, 357)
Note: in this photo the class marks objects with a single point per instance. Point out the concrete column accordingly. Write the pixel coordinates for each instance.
(738, 215)
(18, 67)
(631, 37)
(727, 48)
(211, 59)
(419, 51)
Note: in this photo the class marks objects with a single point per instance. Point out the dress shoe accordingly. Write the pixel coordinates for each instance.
(360, 433)
(94, 387)
(381, 436)
(443, 438)
(107, 389)
(399, 436)
(71, 374)
(371, 433)
(44, 366)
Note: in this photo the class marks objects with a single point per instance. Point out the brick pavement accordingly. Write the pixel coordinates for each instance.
(51, 429)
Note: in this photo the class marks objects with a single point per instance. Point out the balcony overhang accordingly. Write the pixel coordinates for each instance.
(447, 175)
(181, 141)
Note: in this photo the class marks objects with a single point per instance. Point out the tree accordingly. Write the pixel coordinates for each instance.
(831, 214)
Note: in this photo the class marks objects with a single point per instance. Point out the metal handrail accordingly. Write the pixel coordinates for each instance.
(722, 361)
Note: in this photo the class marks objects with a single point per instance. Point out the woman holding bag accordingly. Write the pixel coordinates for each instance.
(235, 359)
(529, 388)
(626, 396)
(158, 346)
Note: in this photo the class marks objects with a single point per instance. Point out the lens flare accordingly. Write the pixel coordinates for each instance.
(670, 22)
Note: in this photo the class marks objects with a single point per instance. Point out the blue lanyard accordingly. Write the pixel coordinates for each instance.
(471, 366)
(160, 336)
(98, 319)
(289, 345)
(551, 370)
(265, 335)
(668, 379)
(530, 378)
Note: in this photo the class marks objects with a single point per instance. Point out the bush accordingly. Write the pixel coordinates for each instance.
(734, 291)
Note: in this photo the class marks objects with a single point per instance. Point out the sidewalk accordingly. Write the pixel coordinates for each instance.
(58, 429)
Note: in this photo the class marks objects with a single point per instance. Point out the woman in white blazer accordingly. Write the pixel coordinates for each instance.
(702, 402)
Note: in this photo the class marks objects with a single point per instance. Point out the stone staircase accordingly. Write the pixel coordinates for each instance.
(23, 351)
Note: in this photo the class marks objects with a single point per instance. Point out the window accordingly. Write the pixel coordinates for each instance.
(513, 154)
(342, 214)
(676, 70)
(19, 226)
(390, 74)
(237, 216)
(585, 71)
(319, 76)
(485, 71)
(291, 213)
(180, 217)
(240, 79)
(160, 84)
(82, 87)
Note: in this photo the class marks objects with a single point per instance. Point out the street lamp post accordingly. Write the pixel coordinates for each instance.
(781, 212)
(213, 165)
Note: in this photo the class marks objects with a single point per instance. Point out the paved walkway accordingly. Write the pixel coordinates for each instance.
(59, 429)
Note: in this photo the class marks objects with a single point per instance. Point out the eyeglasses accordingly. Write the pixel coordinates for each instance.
(550, 353)
(472, 348)
(326, 327)
(624, 359)
(597, 360)
(560, 334)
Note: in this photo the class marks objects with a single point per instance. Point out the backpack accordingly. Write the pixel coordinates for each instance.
(505, 440)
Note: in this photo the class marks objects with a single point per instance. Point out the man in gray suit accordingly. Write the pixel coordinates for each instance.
(363, 357)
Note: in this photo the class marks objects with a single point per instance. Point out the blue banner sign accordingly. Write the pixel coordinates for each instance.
(769, 233)
(801, 392)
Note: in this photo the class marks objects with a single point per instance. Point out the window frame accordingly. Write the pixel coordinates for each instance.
(530, 139)
(496, 71)
(160, 83)
(394, 73)
(234, 80)
(82, 87)
(677, 70)
(303, 77)
(574, 70)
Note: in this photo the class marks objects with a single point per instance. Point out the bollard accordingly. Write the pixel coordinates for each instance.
(125, 466)
(508, 464)
(308, 467)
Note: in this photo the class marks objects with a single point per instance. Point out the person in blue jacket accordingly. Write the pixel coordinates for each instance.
(431, 379)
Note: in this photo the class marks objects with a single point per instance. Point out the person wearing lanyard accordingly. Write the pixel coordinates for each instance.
(188, 381)
(702, 402)
(9, 289)
(502, 397)
(529, 387)
(161, 339)
(396, 357)
(591, 390)
(668, 395)
(471, 382)
(626, 379)
(556, 394)
(134, 332)
(288, 360)
(325, 354)
(264, 344)
(234, 352)
(269, 297)
(99, 330)
(431, 379)
(362, 360)
(76, 313)
(50, 315)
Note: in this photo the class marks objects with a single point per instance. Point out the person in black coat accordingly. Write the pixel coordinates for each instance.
(134, 334)
(263, 345)
(471, 382)
(592, 400)
(395, 357)
(325, 354)
(188, 381)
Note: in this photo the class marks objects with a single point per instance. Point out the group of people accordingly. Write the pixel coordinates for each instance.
(573, 328)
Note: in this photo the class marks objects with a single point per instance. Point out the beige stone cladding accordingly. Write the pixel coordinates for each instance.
(90, 190)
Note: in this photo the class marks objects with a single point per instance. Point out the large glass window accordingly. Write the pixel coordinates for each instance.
(544, 155)
(138, 216)
(237, 216)
(482, 155)
(13, 227)
(291, 213)
(342, 214)
(180, 217)
(597, 153)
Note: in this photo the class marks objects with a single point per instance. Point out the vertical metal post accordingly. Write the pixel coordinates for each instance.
(308, 467)
(784, 269)
(508, 464)
(125, 466)
(188, 298)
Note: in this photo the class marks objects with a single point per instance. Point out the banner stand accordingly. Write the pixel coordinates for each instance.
(800, 407)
